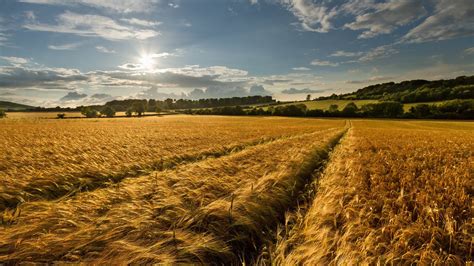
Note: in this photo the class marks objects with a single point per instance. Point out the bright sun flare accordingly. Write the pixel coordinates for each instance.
(147, 61)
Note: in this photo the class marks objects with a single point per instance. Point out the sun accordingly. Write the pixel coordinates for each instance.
(147, 61)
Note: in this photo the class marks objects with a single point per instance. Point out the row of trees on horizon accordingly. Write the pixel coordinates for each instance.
(456, 109)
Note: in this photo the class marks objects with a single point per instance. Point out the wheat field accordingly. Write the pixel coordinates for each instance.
(235, 190)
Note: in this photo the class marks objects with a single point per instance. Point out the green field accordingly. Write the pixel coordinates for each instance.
(324, 104)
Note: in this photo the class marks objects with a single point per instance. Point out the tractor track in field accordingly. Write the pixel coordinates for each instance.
(296, 213)
(281, 196)
(55, 191)
(246, 243)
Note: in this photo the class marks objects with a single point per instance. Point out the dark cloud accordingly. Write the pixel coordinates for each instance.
(305, 90)
(153, 93)
(171, 79)
(259, 90)
(19, 77)
(72, 96)
(100, 96)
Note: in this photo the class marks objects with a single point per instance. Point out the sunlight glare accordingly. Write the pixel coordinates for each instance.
(147, 61)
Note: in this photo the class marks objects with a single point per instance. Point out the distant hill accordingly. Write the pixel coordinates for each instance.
(14, 106)
(414, 91)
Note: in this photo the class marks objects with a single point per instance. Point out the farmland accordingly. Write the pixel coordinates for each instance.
(325, 104)
(210, 189)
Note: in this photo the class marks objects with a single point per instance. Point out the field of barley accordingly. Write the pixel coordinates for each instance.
(234, 190)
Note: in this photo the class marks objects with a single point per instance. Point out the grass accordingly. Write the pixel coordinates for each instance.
(233, 190)
(324, 104)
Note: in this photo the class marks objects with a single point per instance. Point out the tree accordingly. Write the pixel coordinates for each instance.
(139, 108)
(333, 108)
(129, 112)
(308, 97)
(108, 111)
(3, 114)
(383, 109)
(350, 109)
(158, 110)
(61, 116)
(89, 112)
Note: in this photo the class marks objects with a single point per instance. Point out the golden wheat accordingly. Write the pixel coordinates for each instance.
(169, 216)
(47, 159)
(394, 192)
(218, 190)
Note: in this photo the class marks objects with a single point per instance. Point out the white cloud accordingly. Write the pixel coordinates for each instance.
(253, 2)
(163, 55)
(378, 52)
(68, 46)
(121, 6)
(370, 80)
(30, 15)
(451, 19)
(141, 22)
(105, 50)
(173, 5)
(301, 69)
(346, 54)
(3, 39)
(15, 61)
(387, 17)
(317, 62)
(304, 90)
(469, 50)
(312, 16)
(92, 26)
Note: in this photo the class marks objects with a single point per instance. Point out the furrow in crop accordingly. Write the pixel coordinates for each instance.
(245, 220)
(66, 186)
(136, 220)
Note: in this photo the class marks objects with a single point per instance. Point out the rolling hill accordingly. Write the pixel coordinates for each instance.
(10, 106)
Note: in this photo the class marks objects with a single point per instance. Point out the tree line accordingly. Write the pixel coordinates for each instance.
(414, 91)
(456, 109)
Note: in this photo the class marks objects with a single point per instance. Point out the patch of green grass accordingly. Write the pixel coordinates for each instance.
(324, 104)
(407, 106)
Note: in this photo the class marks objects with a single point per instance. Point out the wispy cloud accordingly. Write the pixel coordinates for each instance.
(317, 62)
(141, 22)
(387, 17)
(68, 46)
(105, 50)
(305, 90)
(312, 16)
(301, 69)
(121, 6)
(378, 52)
(469, 50)
(451, 19)
(92, 26)
(346, 54)
(15, 61)
(370, 80)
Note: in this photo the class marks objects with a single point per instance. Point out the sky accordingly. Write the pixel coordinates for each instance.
(80, 52)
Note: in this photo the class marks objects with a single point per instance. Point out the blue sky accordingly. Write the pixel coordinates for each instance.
(77, 52)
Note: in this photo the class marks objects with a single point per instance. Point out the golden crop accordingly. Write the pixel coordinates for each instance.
(47, 159)
(394, 192)
(231, 190)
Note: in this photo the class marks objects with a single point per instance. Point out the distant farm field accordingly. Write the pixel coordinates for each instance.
(232, 190)
(325, 104)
